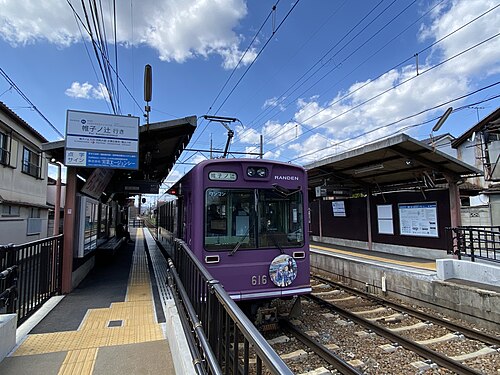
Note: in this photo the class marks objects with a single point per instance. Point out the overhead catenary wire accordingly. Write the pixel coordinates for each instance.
(101, 58)
(107, 61)
(389, 89)
(90, 58)
(275, 30)
(23, 95)
(409, 117)
(273, 10)
(282, 132)
(321, 59)
(253, 61)
(277, 132)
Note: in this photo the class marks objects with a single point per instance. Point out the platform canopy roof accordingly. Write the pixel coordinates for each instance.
(396, 163)
(160, 144)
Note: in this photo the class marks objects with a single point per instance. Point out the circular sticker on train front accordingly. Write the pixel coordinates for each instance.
(283, 270)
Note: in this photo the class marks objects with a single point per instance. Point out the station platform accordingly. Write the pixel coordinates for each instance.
(378, 257)
(429, 283)
(121, 319)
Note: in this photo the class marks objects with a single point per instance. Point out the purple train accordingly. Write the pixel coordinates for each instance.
(247, 221)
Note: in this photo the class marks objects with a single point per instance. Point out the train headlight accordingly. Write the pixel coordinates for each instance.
(251, 171)
(262, 172)
(257, 172)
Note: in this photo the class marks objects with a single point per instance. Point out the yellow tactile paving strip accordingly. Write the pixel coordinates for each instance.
(79, 362)
(138, 324)
(428, 265)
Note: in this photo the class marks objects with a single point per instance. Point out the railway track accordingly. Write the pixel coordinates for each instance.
(423, 341)
(346, 331)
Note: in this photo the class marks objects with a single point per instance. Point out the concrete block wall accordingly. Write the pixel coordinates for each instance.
(8, 325)
(467, 270)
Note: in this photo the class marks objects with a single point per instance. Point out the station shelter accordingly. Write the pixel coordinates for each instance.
(97, 199)
(397, 195)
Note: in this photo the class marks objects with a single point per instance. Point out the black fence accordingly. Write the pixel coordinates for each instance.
(475, 242)
(225, 340)
(31, 274)
(136, 223)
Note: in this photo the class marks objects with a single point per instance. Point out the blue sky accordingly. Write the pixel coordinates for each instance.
(334, 76)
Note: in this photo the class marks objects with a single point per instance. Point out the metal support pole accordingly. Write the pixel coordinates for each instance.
(369, 218)
(57, 208)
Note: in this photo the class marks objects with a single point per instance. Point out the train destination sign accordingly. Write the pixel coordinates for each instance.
(97, 140)
(222, 176)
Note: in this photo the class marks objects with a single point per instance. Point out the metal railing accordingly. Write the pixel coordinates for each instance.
(136, 223)
(474, 242)
(8, 293)
(226, 340)
(38, 274)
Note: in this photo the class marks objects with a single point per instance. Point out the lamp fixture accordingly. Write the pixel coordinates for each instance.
(369, 168)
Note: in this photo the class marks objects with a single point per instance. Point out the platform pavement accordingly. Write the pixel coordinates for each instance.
(377, 256)
(107, 325)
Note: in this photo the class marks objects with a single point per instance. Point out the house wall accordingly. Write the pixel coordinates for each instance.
(19, 189)
(470, 153)
(495, 209)
(494, 149)
(444, 145)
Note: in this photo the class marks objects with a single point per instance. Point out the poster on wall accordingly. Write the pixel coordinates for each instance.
(338, 208)
(384, 219)
(418, 219)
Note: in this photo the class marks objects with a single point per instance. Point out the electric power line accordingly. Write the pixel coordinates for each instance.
(399, 64)
(13, 84)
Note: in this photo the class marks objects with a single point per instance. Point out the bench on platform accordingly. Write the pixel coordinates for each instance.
(112, 244)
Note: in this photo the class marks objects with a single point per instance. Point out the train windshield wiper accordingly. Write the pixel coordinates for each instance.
(276, 243)
(235, 249)
(238, 244)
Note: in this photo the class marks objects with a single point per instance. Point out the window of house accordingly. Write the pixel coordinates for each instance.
(35, 212)
(9, 210)
(31, 162)
(4, 152)
(34, 222)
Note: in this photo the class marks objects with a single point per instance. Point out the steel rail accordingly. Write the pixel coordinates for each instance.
(467, 332)
(329, 356)
(421, 350)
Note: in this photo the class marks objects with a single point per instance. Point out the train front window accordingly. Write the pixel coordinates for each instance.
(229, 219)
(281, 221)
(238, 219)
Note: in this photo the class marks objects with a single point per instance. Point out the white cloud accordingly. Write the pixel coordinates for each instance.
(358, 118)
(484, 60)
(275, 102)
(87, 91)
(272, 155)
(312, 144)
(177, 29)
(79, 91)
(247, 135)
(276, 133)
(28, 21)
